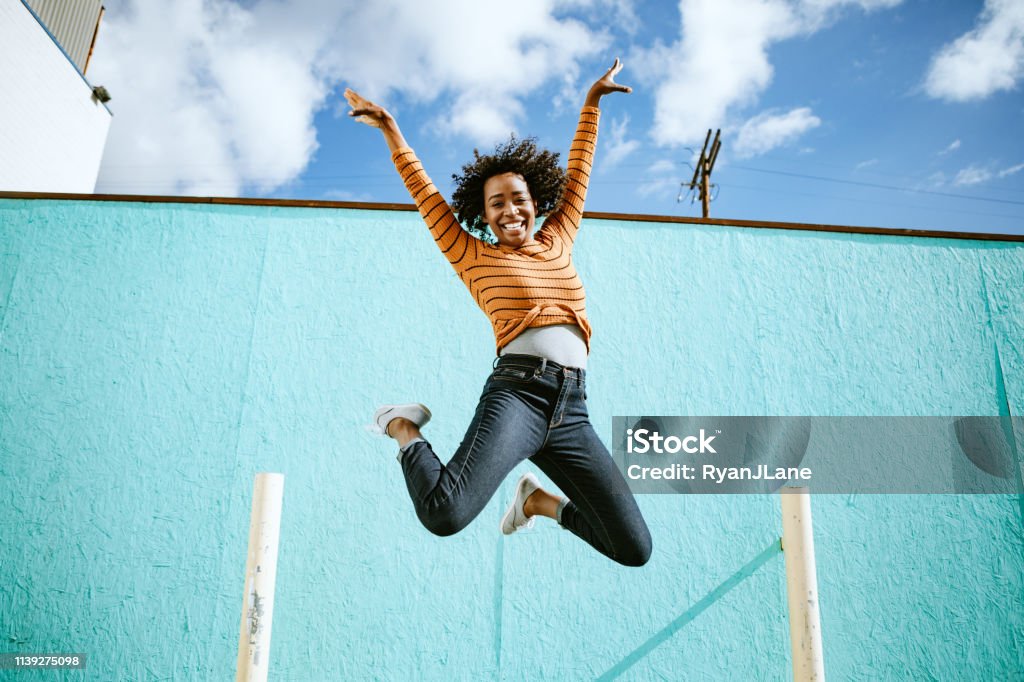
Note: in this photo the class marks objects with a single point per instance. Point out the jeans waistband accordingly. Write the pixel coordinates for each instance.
(539, 365)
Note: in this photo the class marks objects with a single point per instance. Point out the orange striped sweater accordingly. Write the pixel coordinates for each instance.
(535, 285)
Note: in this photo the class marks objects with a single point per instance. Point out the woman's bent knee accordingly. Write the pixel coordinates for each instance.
(638, 552)
(443, 522)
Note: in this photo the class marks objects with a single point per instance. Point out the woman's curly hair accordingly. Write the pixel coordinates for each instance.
(538, 167)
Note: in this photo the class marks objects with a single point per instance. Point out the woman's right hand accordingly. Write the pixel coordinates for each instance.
(365, 111)
(376, 116)
(606, 84)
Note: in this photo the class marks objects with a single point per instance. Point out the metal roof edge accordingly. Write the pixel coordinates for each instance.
(63, 52)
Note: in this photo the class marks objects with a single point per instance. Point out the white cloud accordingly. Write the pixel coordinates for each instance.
(663, 178)
(819, 13)
(769, 130)
(975, 174)
(482, 117)
(662, 187)
(661, 167)
(213, 97)
(953, 146)
(345, 195)
(415, 49)
(1011, 170)
(200, 107)
(618, 12)
(985, 60)
(866, 164)
(720, 62)
(972, 175)
(617, 146)
(933, 181)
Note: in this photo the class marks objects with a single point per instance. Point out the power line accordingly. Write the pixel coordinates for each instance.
(874, 185)
(914, 207)
(768, 190)
(867, 170)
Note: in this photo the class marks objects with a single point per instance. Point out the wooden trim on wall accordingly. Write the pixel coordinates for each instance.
(809, 227)
(595, 215)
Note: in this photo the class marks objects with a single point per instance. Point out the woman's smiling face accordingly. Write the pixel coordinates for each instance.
(509, 210)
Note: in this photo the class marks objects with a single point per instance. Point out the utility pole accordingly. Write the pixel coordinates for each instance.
(702, 172)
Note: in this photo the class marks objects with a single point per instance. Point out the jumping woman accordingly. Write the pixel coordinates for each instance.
(533, 404)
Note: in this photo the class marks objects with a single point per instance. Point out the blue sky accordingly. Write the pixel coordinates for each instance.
(891, 113)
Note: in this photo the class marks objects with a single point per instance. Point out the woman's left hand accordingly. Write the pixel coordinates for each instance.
(606, 84)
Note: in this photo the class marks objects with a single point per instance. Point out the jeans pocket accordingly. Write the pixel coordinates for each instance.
(518, 374)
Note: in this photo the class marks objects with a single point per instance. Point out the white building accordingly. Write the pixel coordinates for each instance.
(52, 125)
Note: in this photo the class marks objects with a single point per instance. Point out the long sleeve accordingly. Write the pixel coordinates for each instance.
(457, 245)
(565, 220)
(532, 286)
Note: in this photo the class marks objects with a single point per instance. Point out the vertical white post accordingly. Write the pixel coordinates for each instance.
(260, 574)
(802, 585)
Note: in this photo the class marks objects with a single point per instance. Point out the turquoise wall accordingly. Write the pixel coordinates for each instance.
(153, 357)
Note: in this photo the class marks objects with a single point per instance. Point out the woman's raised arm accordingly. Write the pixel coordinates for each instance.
(453, 241)
(565, 220)
(365, 111)
(606, 84)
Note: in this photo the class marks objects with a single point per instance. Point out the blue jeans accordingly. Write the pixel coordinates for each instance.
(536, 409)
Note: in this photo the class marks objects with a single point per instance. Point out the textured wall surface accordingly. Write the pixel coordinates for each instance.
(52, 131)
(153, 357)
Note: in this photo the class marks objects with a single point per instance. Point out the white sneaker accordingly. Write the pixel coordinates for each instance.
(515, 518)
(415, 412)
